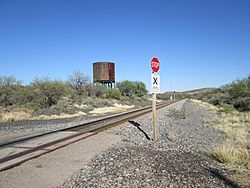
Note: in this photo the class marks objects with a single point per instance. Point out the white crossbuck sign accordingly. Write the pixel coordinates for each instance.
(155, 83)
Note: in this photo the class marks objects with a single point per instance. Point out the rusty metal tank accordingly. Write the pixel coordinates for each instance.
(104, 72)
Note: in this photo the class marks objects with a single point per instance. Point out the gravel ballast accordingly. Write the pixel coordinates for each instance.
(40, 126)
(177, 159)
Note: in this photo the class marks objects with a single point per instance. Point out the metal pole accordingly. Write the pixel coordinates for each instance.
(154, 116)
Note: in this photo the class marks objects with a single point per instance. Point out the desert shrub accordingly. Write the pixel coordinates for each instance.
(6, 96)
(177, 95)
(48, 92)
(242, 104)
(126, 87)
(224, 98)
(63, 106)
(99, 90)
(239, 89)
(239, 93)
(75, 97)
(113, 93)
(140, 89)
(90, 90)
(9, 81)
(9, 90)
(130, 88)
(226, 108)
(236, 94)
(95, 102)
(214, 101)
(178, 114)
(163, 96)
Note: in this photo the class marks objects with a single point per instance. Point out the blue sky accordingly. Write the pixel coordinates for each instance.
(200, 43)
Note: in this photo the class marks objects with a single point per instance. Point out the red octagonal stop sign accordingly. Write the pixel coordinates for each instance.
(155, 64)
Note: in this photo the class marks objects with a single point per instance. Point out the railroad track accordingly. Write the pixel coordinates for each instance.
(16, 151)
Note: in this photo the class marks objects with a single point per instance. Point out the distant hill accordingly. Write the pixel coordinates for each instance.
(201, 90)
(194, 91)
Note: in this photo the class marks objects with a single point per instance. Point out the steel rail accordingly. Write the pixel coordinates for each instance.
(92, 127)
(77, 127)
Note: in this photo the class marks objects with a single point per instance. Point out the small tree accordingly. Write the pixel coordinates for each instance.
(80, 82)
(9, 81)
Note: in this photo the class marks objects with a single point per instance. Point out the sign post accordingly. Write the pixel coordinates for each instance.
(155, 84)
(154, 116)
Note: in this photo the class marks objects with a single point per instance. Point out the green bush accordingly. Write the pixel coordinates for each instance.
(239, 89)
(113, 94)
(130, 88)
(9, 93)
(126, 87)
(226, 108)
(236, 94)
(239, 94)
(99, 90)
(163, 96)
(48, 92)
(63, 106)
(140, 89)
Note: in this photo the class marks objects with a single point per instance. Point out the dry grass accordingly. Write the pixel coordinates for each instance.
(61, 116)
(243, 178)
(237, 158)
(206, 105)
(24, 114)
(16, 115)
(170, 136)
(81, 106)
(234, 132)
(228, 153)
(235, 126)
(177, 114)
(234, 152)
(112, 109)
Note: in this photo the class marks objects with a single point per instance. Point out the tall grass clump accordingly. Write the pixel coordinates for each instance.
(230, 154)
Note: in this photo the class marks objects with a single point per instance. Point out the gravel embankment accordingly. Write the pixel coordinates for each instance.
(177, 159)
(40, 126)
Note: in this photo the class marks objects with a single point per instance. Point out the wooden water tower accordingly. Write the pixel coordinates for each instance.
(104, 73)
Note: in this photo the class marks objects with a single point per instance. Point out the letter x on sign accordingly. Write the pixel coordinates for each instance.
(155, 81)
